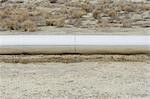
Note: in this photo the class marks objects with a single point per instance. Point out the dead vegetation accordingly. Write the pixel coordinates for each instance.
(58, 22)
(112, 13)
(78, 13)
(28, 26)
(119, 12)
(61, 13)
(16, 19)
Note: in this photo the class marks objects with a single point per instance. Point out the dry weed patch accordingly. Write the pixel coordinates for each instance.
(96, 14)
(16, 19)
(112, 13)
(28, 26)
(78, 13)
(60, 13)
(58, 22)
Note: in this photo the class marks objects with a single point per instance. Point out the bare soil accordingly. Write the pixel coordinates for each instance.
(83, 80)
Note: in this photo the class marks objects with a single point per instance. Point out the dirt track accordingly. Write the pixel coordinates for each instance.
(101, 78)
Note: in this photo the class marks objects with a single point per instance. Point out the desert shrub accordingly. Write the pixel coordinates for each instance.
(126, 23)
(75, 4)
(127, 8)
(10, 24)
(39, 12)
(21, 15)
(28, 26)
(2, 15)
(103, 23)
(59, 22)
(78, 13)
(64, 11)
(50, 22)
(96, 14)
(112, 13)
(105, 1)
(88, 7)
(16, 19)
(145, 7)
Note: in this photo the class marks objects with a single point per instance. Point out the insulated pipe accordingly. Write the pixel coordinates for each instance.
(82, 44)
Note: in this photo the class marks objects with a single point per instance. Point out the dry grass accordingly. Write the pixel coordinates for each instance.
(88, 7)
(58, 22)
(65, 13)
(16, 19)
(28, 26)
(96, 14)
(78, 13)
(127, 8)
(116, 10)
(126, 23)
(11, 24)
(112, 13)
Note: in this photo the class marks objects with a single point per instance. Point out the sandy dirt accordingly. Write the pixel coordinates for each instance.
(74, 58)
(82, 31)
(82, 80)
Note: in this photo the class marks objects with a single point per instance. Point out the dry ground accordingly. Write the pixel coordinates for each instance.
(82, 31)
(31, 15)
(82, 80)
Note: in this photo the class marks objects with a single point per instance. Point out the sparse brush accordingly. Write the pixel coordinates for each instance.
(104, 1)
(21, 15)
(112, 13)
(59, 22)
(145, 7)
(20, 18)
(29, 17)
(73, 4)
(16, 19)
(78, 13)
(88, 7)
(127, 8)
(28, 26)
(41, 12)
(2, 14)
(126, 23)
(50, 22)
(96, 14)
(8, 11)
(64, 10)
(104, 23)
(10, 24)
